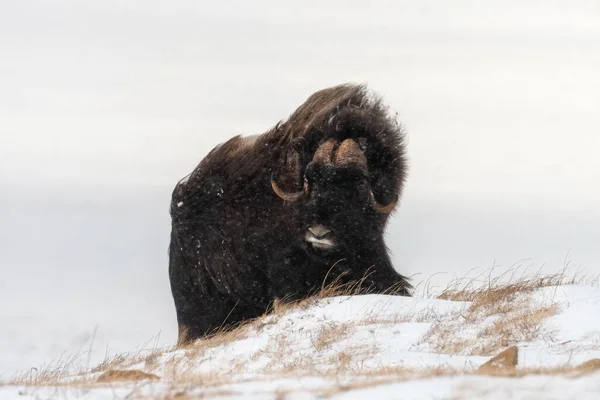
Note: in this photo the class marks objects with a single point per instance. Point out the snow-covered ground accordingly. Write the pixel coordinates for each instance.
(371, 346)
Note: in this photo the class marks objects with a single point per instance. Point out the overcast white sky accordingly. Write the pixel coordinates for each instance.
(105, 105)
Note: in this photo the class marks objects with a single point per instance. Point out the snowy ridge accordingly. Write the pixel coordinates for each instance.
(372, 346)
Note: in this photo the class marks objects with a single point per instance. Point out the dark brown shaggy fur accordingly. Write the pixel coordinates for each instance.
(236, 246)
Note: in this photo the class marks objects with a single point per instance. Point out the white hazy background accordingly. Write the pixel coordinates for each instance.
(105, 105)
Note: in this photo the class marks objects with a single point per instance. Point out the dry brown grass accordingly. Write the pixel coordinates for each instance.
(483, 290)
(279, 307)
(125, 375)
(342, 361)
(576, 371)
(334, 288)
(330, 334)
(62, 372)
(221, 338)
(45, 375)
(518, 327)
(498, 325)
(500, 312)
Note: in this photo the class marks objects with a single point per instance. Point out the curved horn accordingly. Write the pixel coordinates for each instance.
(285, 195)
(298, 145)
(325, 152)
(350, 153)
(382, 209)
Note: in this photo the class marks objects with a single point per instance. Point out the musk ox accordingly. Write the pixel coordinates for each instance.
(278, 215)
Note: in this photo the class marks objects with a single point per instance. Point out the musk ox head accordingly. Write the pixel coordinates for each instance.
(336, 203)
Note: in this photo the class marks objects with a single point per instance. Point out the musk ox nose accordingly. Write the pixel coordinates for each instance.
(320, 237)
(319, 231)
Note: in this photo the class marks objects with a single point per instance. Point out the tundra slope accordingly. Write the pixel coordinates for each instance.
(380, 346)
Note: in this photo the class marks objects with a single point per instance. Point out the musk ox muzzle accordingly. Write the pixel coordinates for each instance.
(348, 153)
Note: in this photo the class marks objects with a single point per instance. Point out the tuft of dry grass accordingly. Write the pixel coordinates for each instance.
(485, 289)
(332, 289)
(505, 330)
(501, 314)
(330, 334)
(461, 290)
(341, 360)
(223, 337)
(280, 306)
(46, 375)
(587, 367)
(124, 375)
(64, 372)
(518, 327)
